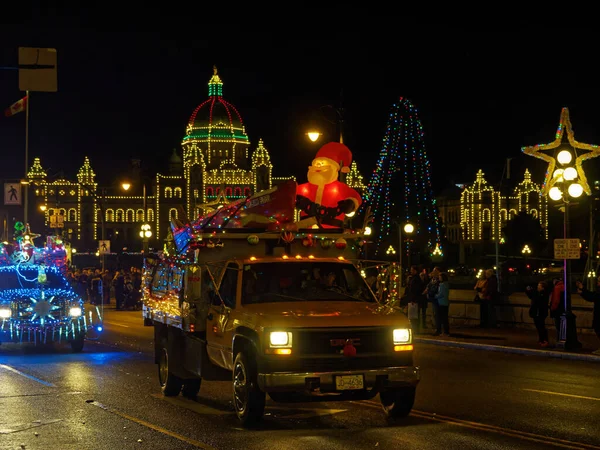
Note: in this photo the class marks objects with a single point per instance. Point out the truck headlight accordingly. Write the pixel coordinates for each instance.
(5, 313)
(280, 339)
(75, 311)
(402, 336)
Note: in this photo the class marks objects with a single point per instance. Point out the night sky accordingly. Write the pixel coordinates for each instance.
(129, 93)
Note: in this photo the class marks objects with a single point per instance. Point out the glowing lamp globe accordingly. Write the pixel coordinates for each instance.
(313, 135)
(558, 174)
(564, 157)
(409, 228)
(575, 190)
(570, 173)
(555, 193)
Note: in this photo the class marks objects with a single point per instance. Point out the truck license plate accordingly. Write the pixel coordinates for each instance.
(349, 382)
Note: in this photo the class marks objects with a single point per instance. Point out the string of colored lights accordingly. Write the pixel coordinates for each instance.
(400, 186)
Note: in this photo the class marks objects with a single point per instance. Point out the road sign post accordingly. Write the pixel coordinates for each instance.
(567, 249)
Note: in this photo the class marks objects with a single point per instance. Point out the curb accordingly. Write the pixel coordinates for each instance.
(506, 349)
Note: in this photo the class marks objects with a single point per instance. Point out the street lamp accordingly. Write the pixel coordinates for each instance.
(314, 135)
(562, 183)
(145, 234)
(408, 229)
(146, 229)
(566, 186)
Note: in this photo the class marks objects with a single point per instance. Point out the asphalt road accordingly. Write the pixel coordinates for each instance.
(108, 397)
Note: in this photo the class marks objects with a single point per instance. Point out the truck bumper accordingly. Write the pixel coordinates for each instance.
(380, 379)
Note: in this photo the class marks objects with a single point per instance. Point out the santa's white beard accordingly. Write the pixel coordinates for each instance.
(322, 177)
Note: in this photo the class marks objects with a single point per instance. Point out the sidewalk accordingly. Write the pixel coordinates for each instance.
(512, 340)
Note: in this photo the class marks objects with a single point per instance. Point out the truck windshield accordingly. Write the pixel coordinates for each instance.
(27, 278)
(303, 281)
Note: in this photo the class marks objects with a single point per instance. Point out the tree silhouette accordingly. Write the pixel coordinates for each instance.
(523, 229)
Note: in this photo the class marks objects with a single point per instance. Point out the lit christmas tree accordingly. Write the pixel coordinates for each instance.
(399, 190)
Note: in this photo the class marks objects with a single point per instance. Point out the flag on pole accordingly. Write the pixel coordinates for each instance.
(16, 107)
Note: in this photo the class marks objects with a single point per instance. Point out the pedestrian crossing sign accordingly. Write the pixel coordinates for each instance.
(103, 246)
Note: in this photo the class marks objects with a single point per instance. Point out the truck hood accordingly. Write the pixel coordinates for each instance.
(324, 314)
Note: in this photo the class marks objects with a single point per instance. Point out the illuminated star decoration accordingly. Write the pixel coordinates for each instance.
(42, 308)
(592, 151)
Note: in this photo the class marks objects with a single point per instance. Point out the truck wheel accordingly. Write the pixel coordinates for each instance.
(77, 344)
(248, 399)
(398, 403)
(191, 388)
(170, 384)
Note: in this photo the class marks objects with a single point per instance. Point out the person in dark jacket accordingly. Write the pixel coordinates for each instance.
(539, 309)
(594, 297)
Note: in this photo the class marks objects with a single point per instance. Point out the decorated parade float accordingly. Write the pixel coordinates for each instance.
(38, 305)
(269, 293)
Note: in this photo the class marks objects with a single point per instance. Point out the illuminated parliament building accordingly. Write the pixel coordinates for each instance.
(217, 165)
(476, 213)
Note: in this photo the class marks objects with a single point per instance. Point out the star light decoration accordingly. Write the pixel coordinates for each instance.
(562, 138)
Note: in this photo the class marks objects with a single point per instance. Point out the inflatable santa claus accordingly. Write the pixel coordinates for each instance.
(324, 198)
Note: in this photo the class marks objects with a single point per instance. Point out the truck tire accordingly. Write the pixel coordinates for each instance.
(170, 384)
(191, 388)
(248, 399)
(77, 344)
(398, 402)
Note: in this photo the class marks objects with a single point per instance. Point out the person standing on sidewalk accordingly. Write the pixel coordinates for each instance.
(593, 297)
(442, 323)
(539, 309)
(431, 290)
(557, 305)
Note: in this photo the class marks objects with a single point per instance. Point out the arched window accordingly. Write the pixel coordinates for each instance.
(120, 215)
(513, 213)
(129, 214)
(217, 191)
(503, 215)
(72, 216)
(178, 192)
(246, 191)
(150, 215)
(110, 215)
(51, 211)
(486, 215)
(534, 213)
(237, 191)
(209, 191)
(139, 215)
(62, 212)
(172, 213)
(168, 192)
(228, 192)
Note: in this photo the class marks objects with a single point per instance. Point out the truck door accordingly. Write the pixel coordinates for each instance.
(219, 326)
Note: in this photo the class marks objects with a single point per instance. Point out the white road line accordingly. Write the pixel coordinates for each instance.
(563, 395)
(117, 324)
(31, 377)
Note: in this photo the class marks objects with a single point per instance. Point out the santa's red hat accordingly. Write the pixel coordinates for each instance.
(339, 155)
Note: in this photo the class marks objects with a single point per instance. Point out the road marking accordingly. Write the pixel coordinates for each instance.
(116, 324)
(31, 377)
(192, 405)
(556, 442)
(563, 395)
(162, 430)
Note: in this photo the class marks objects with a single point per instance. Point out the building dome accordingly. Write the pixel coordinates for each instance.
(215, 120)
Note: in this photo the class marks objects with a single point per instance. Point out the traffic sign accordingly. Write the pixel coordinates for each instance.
(567, 249)
(103, 246)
